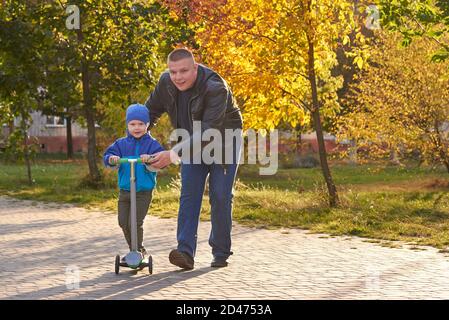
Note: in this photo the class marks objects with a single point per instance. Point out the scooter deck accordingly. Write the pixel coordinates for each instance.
(143, 264)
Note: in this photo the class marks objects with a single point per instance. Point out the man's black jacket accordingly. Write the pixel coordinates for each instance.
(212, 102)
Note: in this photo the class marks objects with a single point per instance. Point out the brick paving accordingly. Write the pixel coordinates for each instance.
(45, 246)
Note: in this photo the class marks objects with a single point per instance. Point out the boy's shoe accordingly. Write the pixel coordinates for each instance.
(219, 262)
(141, 250)
(181, 259)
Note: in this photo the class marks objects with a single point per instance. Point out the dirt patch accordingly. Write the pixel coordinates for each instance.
(405, 186)
(438, 184)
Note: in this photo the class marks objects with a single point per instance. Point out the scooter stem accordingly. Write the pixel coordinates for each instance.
(133, 217)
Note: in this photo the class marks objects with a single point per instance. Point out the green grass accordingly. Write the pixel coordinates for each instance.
(343, 175)
(380, 202)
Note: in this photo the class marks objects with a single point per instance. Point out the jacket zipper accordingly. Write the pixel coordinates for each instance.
(190, 109)
(176, 106)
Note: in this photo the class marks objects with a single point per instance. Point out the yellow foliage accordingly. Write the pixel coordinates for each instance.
(261, 48)
(401, 101)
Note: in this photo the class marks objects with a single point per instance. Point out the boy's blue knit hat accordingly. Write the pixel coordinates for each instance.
(137, 112)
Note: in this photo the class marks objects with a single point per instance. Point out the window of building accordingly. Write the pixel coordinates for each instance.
(55, 121)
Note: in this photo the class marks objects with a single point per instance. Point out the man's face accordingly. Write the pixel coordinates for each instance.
(137, 128)
(183, 73)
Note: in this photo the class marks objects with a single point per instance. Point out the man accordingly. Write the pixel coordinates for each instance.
(191, 92)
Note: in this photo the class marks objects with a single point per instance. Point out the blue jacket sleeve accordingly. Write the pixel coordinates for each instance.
(112, 150)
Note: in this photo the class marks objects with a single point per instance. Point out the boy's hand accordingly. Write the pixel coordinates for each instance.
(113, 160)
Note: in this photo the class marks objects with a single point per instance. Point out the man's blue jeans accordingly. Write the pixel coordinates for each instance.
(221, 181)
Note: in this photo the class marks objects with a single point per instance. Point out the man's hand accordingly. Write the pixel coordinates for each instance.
(113, 160)
(164, 158)
(146, 158)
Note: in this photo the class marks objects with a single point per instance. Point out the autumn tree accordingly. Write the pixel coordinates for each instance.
(21, 70)
(401, 102)
(278, 56)
(103, 53)
(116, 50)
(427, 19)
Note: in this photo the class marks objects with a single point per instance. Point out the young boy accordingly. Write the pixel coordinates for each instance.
(138, 144)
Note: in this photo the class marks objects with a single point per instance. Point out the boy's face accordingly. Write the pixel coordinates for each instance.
(137, 128)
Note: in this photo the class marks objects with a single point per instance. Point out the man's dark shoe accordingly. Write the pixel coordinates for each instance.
(181, 259)
(219, 263)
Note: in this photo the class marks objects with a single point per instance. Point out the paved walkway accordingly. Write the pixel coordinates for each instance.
(46, 247)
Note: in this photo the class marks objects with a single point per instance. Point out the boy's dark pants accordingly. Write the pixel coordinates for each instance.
(143, 199)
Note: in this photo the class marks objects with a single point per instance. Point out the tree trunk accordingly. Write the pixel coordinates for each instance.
(394, 160)
(11, 127)
(69, 138)
(446, 164)
(298, 140)
(26, 152)
(440, 146)
(94, 173)
(333, 196)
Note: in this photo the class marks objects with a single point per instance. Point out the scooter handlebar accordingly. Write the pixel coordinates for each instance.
(125, 160)
(138, 160)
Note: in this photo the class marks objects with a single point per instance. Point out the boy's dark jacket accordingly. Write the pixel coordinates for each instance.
(130, 147)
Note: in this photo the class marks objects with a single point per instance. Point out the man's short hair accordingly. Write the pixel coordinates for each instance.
(179, 54)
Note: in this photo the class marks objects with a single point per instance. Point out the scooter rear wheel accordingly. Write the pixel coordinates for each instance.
(150, 264)
(117, 264)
